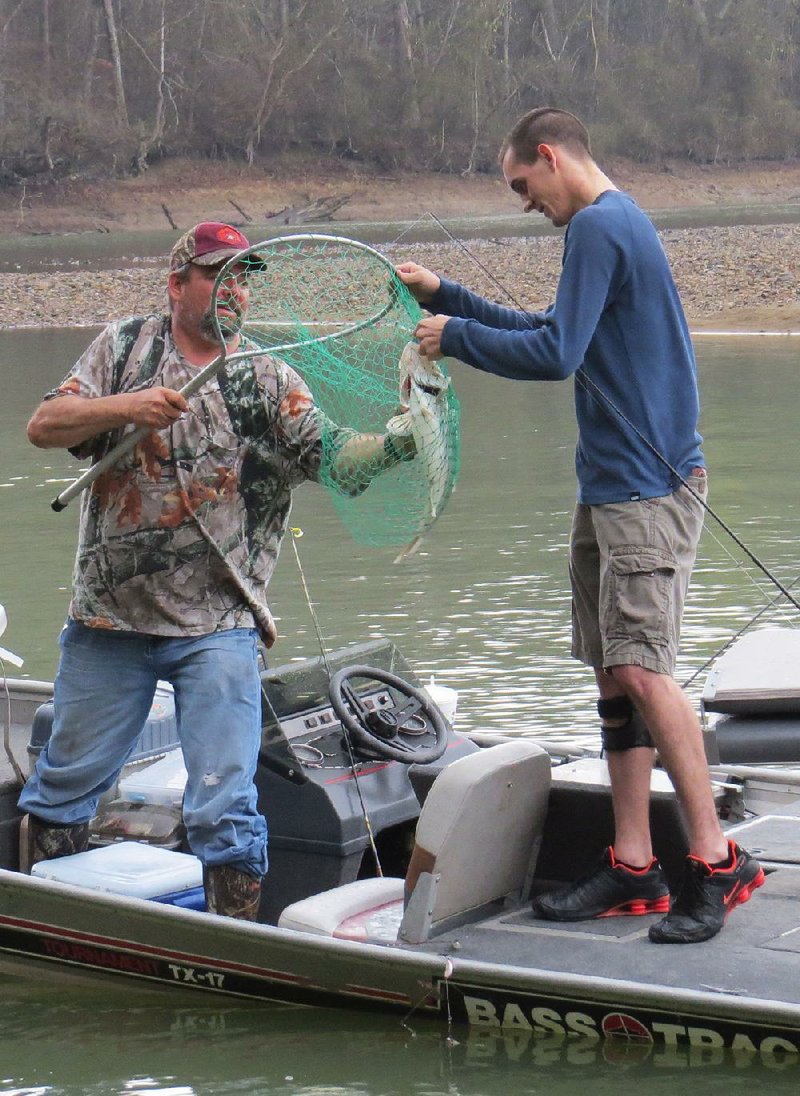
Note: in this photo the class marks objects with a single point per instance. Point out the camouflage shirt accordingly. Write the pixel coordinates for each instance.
(181, 536)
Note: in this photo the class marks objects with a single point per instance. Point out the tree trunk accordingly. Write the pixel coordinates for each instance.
(94, 46)
(405, 62)
(47, 132)
(475, 123)
(151, 141)
(194, 63)
(116, 61)
(47, 55)
(284, 16)
(701, 20)
(555, 40)
(507, 49)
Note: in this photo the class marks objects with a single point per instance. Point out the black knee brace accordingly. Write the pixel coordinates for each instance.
(633, 731)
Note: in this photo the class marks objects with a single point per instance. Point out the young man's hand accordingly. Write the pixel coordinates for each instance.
(429, 334)
(422, 283)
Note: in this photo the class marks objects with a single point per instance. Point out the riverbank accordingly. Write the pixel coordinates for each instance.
(742, 277)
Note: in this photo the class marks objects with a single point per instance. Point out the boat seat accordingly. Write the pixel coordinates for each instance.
(476, 844)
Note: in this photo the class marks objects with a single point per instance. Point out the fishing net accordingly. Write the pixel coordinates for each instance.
(334, 310)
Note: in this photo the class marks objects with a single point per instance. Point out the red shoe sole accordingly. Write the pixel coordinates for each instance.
(638, 907)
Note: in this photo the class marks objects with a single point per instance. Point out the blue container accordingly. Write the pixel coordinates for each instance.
(194, 899)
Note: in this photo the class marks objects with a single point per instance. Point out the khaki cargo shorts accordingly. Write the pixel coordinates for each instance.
(630, 564)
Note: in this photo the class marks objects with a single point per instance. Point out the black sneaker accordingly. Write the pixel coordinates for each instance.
(706, 897)
(611, 890)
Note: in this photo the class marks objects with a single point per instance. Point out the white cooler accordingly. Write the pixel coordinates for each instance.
(134, 869)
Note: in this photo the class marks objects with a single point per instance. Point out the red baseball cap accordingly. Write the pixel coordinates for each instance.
(208, 244)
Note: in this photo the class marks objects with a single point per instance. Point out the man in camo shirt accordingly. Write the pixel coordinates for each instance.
(177, 544)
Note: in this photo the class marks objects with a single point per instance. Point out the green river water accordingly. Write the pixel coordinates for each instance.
(484, 606)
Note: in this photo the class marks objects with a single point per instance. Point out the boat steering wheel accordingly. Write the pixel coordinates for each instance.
(390, 732)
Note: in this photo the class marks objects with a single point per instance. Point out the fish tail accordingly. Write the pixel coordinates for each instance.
(409, 549)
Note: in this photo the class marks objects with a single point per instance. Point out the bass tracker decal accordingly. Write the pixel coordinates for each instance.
(496, 1009)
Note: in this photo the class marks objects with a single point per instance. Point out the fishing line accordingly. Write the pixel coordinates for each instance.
(770, 603)
(294, 535)
(608, 405)
(730, 642)
(754, 581)
(410, 228)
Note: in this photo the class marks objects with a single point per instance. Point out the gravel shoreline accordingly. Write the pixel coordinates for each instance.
(744, 277)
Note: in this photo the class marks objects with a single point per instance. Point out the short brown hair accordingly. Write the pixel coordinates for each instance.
(547, 125)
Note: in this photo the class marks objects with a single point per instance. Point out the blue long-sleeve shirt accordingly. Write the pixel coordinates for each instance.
(618, 319)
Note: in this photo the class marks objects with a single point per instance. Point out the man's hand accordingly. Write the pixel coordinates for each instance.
(155, 407)
(421, 282)
(429, 335)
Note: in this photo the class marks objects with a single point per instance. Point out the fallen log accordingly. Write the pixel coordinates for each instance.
(321, 209)
(246, 216)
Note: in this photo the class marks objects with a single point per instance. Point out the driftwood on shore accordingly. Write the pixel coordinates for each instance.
(321, 209)
(169, 217)
(239, 209)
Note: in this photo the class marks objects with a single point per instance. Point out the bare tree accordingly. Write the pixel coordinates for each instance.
(91, 58)
(404, 62)
(116, 60)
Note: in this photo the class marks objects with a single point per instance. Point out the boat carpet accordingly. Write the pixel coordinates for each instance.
(751, 957)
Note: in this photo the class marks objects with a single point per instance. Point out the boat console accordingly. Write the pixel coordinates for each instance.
(316, 785)
(312, 796)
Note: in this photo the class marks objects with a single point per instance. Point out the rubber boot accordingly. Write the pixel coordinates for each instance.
(231, 893)
(39, 840)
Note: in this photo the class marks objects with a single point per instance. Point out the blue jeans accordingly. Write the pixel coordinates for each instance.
(103, 693)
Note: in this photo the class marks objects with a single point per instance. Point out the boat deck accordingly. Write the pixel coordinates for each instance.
(738, 989)
(751, 957)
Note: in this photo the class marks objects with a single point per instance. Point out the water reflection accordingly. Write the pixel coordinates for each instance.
(89, 1041)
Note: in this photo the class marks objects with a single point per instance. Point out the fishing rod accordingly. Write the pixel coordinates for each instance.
(607, 404)
(737, 635)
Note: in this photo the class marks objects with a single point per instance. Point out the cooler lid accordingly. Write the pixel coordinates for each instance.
(127, 867)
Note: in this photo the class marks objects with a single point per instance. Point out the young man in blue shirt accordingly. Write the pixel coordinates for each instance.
(617, 327)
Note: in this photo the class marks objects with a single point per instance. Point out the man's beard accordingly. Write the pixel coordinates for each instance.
(230, 324)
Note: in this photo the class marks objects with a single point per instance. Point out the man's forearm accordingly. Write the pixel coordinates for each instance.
(66, 421)
(365, 456)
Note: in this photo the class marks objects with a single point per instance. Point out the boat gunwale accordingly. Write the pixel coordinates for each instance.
(444, 968)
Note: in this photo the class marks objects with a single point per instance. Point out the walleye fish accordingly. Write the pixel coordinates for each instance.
(422, 394)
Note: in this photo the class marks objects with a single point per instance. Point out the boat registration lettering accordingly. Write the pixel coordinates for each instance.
(191, 976)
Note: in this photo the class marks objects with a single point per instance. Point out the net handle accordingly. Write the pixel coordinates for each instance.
(63, 499)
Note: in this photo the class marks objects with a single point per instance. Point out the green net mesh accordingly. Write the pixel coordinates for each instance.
(334, 310)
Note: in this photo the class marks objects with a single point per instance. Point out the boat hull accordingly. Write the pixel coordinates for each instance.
(107, 934)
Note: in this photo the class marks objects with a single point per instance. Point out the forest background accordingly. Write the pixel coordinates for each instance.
(114, 86)
(137, 116)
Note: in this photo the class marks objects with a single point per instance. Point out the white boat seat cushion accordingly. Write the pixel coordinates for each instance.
(367, 909)
(477, 839)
